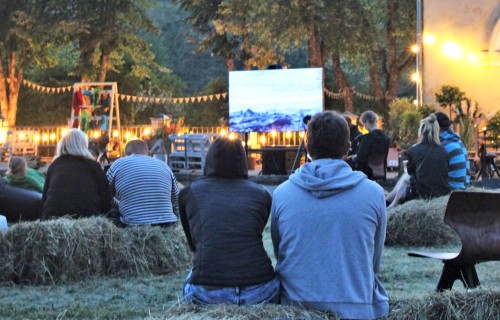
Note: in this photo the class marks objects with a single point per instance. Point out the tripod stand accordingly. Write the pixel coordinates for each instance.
(488, 168)
(301, 147)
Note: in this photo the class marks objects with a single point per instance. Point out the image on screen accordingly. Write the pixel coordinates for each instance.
(274, 100)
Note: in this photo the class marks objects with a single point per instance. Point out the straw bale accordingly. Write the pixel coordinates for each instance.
(6, 268)
(451, 305)
(419, 223)
(64, 250)
(226, 312)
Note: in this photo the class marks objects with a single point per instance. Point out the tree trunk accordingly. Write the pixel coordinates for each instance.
(314, 46)
(343, 83)
(103, 64)
(4, 105)
(87, 50)
(231, 66)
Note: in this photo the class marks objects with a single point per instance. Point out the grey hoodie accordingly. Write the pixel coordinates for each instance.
(328, 228)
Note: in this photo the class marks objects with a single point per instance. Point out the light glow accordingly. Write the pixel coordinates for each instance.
(429, 39)
(452, 50)
(262, 139)
(415, 48)
(415, 77)
(232, 136)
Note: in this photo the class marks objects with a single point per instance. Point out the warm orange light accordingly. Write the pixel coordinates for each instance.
(21, 136)
(302, 134)
(147, 131)
(415, 48)
(472, 58)
(429, 39)
(52, 136)
(45, 137)
(115, 133)
(415, 77)
(452, 50)
(96, 134)
(127, 135)
(64, 132)
(288, 134)
(223, 132)
(37, 137)
(273, 133)
(262, 140)
(232, 136)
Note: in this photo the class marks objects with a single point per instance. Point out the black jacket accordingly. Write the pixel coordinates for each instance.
(428, 167)
(75, 186)
(223, 215)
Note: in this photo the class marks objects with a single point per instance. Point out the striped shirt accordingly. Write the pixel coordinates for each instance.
(145, 190)
(458, 165)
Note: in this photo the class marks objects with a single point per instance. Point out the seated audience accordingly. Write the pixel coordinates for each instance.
(76, 185)
(328, 227)
(373, 149)
(19, 175)
(354, 136)
(145, 190)
(427, 167)
(223, 215)
(458, 164)
(19, 204)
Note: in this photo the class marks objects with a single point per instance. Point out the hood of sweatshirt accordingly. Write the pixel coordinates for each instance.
(326, 177)
(449, 135)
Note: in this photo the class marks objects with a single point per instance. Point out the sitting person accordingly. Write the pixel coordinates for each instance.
(144, 189)
(427, 175)
(373, 149)
(223, 215)
(76, 184)
(19, 175)
(328, 226)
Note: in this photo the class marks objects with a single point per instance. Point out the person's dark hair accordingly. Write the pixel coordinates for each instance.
(327, 136)
(226, 158)
(137, 146)
(443, 120)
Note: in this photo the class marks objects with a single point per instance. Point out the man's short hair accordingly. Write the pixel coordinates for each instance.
(327, 136)
(137, 146)
(443, 120)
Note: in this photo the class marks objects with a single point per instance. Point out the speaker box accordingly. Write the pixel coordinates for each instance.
(274, 162)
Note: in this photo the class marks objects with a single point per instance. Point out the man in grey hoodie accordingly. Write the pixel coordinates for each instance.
(328, 228)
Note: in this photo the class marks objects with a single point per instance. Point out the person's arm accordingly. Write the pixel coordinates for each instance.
(380, 234)
(275, 232)
(183, 195)
(410, 166)
(110, 175)
(363, 150)
(175, 195)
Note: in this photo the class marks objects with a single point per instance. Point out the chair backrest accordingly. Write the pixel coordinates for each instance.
(475, 216)
(378, 164)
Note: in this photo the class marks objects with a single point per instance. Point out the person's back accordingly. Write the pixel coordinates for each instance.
(458, 163)
(428, 167)
(328, 229)
(145, 189)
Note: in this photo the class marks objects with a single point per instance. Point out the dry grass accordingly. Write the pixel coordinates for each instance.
(256, 312)
(450, 306)
(64, 250)
(419, 223)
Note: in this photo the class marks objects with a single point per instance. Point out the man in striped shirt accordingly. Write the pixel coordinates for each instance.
(144, 189)
(458, 163)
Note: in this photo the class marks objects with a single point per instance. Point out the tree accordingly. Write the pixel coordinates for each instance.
(449, 97)
(22, 43)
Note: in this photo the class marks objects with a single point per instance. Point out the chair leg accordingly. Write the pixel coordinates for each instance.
(465, 273)
(449, 274)
(469, 277)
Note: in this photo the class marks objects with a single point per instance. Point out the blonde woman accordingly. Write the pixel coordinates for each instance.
(76, 184)
(427, 167)
(19, 175)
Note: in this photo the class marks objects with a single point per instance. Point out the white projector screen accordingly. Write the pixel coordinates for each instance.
(274, 100)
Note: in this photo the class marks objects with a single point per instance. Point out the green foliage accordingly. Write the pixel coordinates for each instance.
(468, 122)
(404, 119)
(493, 125)
(449, 96)
(210, 113)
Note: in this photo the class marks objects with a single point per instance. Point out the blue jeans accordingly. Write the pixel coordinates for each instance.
(267, 292)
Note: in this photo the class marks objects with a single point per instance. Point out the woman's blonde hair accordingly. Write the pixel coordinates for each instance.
(429, 130)
(17, 168)
(74, 143)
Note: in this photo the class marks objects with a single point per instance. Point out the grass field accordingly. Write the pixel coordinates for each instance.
(405, 278)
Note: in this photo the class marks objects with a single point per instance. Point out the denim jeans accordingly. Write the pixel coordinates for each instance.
(267, 292)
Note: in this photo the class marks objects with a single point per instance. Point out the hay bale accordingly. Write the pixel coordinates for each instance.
(264, 311)
(64, 250)
(481, 304)
(6, 268)
(154, 250)
(419, 223)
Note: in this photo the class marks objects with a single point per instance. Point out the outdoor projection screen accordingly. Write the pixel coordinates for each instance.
(274, 100)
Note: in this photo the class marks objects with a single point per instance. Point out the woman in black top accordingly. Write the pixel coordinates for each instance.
(76, 185)
(223, 215)
(427, 167)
